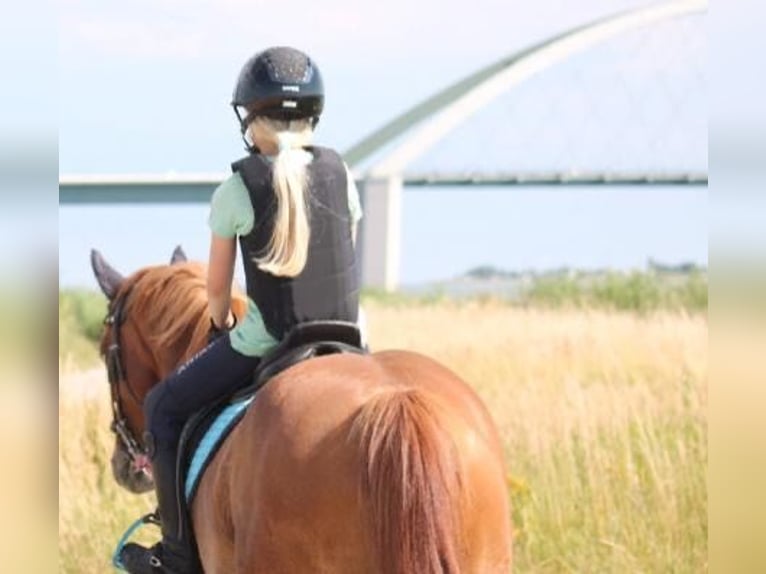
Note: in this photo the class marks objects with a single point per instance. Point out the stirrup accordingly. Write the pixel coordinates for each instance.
(167, 557)
(138, 559)
(151, 518)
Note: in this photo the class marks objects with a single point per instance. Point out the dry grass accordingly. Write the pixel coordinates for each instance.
(602, 415)
(93, 510)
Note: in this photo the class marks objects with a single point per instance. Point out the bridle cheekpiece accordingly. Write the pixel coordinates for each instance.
(116, 375)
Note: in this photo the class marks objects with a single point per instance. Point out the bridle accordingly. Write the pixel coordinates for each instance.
(116, 374)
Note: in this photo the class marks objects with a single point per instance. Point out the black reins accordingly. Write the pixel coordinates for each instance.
(116, 374)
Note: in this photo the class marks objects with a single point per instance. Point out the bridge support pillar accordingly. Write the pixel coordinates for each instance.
(381, 231)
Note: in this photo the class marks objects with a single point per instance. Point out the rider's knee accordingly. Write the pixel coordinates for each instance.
(153, 403)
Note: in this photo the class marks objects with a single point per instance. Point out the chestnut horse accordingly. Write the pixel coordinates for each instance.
(384, 463)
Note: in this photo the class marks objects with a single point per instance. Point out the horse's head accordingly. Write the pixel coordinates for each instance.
(156, 319)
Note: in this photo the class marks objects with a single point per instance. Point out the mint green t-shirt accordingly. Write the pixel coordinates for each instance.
(231, 215)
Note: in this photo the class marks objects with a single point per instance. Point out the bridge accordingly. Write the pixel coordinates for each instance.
(382, 184)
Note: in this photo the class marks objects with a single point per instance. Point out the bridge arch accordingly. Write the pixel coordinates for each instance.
(382, 184)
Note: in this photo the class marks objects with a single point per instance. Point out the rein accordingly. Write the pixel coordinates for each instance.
(116, 374)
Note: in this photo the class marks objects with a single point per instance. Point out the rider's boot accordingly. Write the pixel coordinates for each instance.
(175, 553)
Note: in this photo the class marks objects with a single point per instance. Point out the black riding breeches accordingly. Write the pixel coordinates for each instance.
(216, 371)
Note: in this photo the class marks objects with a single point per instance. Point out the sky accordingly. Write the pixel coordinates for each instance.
(144, 88)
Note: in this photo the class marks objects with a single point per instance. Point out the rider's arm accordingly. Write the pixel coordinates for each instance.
(223, 254)
(231, 214)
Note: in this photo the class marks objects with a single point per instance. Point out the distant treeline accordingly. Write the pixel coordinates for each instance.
(652, 266)
(676, 288)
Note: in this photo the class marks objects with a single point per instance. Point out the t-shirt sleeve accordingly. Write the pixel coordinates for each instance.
(354, 203)
(231, 212)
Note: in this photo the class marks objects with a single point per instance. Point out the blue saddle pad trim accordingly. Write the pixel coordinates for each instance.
(210, 441)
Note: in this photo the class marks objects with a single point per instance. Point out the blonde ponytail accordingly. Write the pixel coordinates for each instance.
(287, 250)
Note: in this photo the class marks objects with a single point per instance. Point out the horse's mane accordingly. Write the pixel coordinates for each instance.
(171, 301)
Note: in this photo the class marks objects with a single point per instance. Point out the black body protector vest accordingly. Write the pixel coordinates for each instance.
(328, 286)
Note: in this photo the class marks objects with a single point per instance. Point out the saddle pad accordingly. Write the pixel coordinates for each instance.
(220, 428)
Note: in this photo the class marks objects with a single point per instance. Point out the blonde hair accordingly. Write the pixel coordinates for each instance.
(287, 250)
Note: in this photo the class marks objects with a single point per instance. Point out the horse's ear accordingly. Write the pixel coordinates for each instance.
(108, 278)
(178, 256)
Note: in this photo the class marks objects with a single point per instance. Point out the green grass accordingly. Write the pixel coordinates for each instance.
(639, 292)
(81, 317)
(601, 482)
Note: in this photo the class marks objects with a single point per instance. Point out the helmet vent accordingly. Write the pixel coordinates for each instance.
(288, 66)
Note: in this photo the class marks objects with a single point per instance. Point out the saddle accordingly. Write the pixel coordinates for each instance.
(204, 433)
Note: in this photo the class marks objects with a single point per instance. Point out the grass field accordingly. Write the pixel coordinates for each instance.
(602, 414)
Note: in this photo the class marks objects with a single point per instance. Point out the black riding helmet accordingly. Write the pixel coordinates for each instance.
(281, 83)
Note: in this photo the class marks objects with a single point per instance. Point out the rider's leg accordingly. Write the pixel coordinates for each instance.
(216, 371)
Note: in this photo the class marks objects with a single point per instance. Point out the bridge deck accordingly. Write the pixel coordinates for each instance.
(198, 188)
